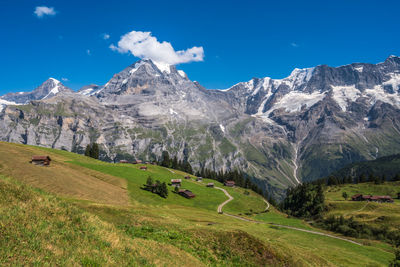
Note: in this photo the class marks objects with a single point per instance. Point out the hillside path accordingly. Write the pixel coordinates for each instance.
(230, 198)
(363, 207)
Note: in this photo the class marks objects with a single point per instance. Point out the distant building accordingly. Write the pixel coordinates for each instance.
(357, 197)
(187, 177)
(360, 197)
(138, 161)
(143, 167)
(210, 185)
(123, 161)
(41, 160)
(176, 182)
(199, 179)
(186, 193)
(229, 183)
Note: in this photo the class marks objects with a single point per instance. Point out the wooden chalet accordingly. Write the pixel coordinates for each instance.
(138, 161)
(357, 197)
(360, 197)
(143, 168)
(199, 179)
(41, 160)
(186, 193)
(229, 183)
(187, 177)
(123, 161)
(176, 182)
(210, 185)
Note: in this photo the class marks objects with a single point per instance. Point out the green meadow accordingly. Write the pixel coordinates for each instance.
(81, 211)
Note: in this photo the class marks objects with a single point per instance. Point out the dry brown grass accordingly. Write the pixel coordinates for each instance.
(62, 178)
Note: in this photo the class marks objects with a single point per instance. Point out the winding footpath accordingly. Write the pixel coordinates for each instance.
(230, 198)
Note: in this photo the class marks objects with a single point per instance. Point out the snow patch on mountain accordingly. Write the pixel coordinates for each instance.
(182, 73)
(163, 67)
(298, 77)
(359, 69)
(378, 94)
(55, 90)
(394, 81)
(345, 94)
(4, 103)
(294, 101)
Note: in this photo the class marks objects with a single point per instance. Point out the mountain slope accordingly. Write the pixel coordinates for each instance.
(388, 166)
(280, 132)
(150, 229)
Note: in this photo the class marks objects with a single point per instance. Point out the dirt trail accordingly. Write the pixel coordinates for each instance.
(230, 198)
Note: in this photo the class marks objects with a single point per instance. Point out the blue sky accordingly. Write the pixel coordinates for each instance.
(240, 39)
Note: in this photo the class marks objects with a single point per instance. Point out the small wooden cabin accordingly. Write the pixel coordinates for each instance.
(199, 179)
(41, 160)
(123, 161)
(187, 177)
(360, 197)
(210, 185)
(138, 161)
(230, 183)
(357, 197)
(186, 193)
(143, 168)
(176, 182)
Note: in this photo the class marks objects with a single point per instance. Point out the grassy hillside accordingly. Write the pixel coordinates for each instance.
(69, 222)
(376, 214)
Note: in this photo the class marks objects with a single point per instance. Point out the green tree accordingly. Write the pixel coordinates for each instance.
(163, 190)
(165, 160)
(94, 153)
(174, 163)
(87, 150)
(176, 189)
(344, 195)
(149, 181)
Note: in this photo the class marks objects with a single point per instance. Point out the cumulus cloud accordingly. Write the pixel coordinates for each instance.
(105, 36)
(144, 45)
(89, 52)
(64, 79)
(294, 45)
(41, 11)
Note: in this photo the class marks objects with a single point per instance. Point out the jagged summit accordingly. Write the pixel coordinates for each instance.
(47, 89)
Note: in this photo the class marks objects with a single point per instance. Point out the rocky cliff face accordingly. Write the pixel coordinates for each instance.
(281, 132)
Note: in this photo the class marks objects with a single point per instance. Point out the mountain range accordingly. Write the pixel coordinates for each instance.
(279, 131)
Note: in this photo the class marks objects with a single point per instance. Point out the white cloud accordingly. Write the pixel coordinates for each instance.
(89, 52)
(294, 45)
(144, 45)
(41, 11)
(64, 79)
(105, 36)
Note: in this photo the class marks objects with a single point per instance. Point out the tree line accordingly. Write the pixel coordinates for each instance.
(306, 200)
(238, 177)
(174, 163)
(363, 178)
